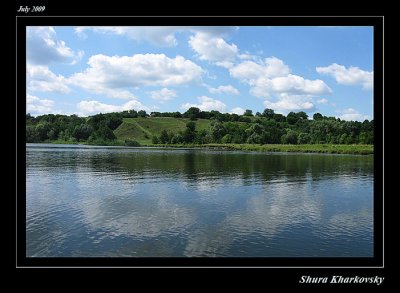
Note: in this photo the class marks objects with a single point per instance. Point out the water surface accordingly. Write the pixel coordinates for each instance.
(95, 201)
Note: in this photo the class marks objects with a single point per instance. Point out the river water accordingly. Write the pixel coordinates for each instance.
(116, 202)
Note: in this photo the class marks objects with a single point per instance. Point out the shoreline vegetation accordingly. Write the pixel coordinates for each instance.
(285, 148)
(262, 132)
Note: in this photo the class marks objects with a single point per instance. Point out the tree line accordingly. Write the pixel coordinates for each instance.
(262, 128)
(95, 129)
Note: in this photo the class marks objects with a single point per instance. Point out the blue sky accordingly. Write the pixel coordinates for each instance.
(88, 70)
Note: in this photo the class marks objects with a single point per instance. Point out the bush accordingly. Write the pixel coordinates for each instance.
(290, 137)
(177, 139)
(227, 138)
(155, 140)
(304, 138)
(132, 142)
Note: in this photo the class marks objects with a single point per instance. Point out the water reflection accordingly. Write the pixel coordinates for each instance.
(136, 202)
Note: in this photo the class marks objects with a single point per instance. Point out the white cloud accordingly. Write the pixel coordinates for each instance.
(224, 89)
(158, 35)
(113, 75)
(43, 47)
(249, 71)
(246, 56)
(237, 110)
(322, 101)
(35, 105)
(93, 107)
(214, 49)
(291, 84)
(206, 104)
(351, 114)
(349, 76)
(272, 78)
(287, 103)
(40, 78)
(162, 36)
(163, 95)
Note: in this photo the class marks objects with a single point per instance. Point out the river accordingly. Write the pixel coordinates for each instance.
(86, 201)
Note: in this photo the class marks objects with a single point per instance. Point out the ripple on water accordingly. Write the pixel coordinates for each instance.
(118, 202)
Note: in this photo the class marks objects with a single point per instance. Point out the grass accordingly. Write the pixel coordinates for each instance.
(129, 129)
(302, 148)
(143, 129)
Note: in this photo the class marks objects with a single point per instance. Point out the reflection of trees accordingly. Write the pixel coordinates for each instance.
(193, 165)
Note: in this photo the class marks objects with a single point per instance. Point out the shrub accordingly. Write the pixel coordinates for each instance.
(132, 142)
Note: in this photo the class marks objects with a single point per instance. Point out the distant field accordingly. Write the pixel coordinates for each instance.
(142, 129)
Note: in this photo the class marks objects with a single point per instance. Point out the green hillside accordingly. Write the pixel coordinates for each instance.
(142, 129)
(264, 132)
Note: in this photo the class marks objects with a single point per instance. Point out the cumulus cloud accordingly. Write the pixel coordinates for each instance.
(237, 110)
(291, 84)
(351, 114)
(206, 104)
(287, 103)
(250, 71)
(224, 89)
(93, 107)
(40, 78)
(322, 101)
(271, 78)
(114, 75)
(43, 47)
(214, 49)
(163, 95)
(349, 76)
(35, 105)
(158, 35)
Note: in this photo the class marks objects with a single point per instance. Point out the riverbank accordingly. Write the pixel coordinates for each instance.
(301, 148)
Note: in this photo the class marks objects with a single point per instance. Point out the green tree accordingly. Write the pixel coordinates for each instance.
(104, 133)
(155, 140)
(292, 118)
(227, 138)
(192, 113)
(268, 113)
(189, 135)
(177, 138)
(302, 115)
(248, 113)
(142, 113)
(191, 126)
(304, 138)
(41, 130)
(290, 137)
(254, 138)
(318, 116)
(203, 137)
(218, 130)
(31, 134)
(164, 137)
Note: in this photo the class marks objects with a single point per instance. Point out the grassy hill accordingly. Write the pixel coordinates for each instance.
(142, 129)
